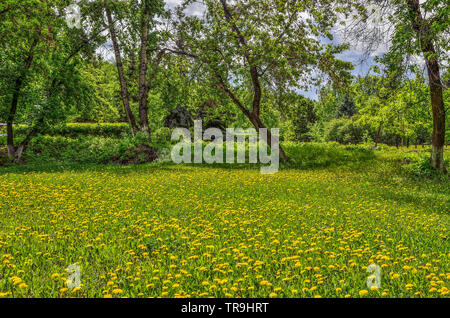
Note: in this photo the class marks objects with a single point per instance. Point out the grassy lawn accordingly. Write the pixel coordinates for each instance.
(185, 231)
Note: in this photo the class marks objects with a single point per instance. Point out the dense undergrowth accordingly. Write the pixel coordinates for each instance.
(92, 144)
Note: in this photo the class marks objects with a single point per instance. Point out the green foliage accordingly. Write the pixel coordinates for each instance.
(347, 107)
(419, 165)
(161, 138)
(309, 155)
(304, 117)
(105, 104)
(82, 150)
(344, 130)
(76, 130)
(386, 110)
(42, 60)
(319, 155)
(60, 150)
(244, 56)
(422, 168)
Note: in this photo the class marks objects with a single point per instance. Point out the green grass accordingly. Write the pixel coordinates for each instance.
(200, 231)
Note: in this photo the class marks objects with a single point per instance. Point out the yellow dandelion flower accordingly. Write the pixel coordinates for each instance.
(363, 292)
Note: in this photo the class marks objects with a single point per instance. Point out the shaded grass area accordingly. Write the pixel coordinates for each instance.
(48, 152)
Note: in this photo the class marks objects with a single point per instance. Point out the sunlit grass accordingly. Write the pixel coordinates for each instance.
(172, 231)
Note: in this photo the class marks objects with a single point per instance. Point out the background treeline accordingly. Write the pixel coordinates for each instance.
(359, 114)
(143, 69)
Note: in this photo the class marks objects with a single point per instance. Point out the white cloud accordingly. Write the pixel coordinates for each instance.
(369, 38)
(196, 8)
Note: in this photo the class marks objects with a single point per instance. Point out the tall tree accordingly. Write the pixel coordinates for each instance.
(137, 17)
(250, 44)
(41, 73)
(123, 84)
(412, 28)
(426, 38)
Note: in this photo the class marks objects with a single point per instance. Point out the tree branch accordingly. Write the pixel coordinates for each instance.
(252, 68)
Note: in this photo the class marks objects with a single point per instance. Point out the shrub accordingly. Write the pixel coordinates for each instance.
(161, 138)
(75, 130)
(88, 149)
(420, 166)
(312, 155)
(317, 155)
(344, 130)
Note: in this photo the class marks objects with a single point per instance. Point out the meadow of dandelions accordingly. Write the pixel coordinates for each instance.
(208, 232)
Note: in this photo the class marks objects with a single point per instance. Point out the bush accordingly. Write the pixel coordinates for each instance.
(312, 155)
(89, 150)
(80, 150)
(344, 130)
(161, 138)
(420, 166)
(4, 160)
(318, 155)
(75, 130)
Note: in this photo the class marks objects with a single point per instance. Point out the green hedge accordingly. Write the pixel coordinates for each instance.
(75, 130)
(101, 150)
(319, 155)
(83, 150)
(315, 155)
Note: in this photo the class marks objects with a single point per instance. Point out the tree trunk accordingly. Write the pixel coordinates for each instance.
(256, 121)
(254, 115)
(378, 135)
(122, 81)
(15, 100)
(437, 105)
(23, 145)
(10, 119)
(143, 65)
(420, 26)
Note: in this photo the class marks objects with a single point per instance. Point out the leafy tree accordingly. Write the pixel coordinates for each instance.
(347, 107)
(251, 44)
(41, 75)
(304, 117)
(372, 102)
(345, 130)
(415, 28)
(106, 104)
(136, 17)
